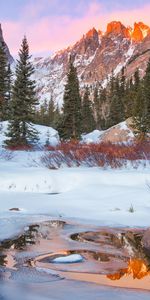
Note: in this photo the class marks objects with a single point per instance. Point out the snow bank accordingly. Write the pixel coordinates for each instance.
(45, 133)
(120, 133)
(92, 137)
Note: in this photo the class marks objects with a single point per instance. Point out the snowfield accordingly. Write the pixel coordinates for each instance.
(30, 193)
(91, 195)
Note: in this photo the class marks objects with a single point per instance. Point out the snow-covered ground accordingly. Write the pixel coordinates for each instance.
(115, 134)
(92, 137)
(44, 132)
(91, 195)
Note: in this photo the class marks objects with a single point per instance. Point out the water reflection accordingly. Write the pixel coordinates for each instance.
(114, 257)
(136, 267)
(3, 260)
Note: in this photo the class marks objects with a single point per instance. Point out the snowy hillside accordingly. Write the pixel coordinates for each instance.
(45, 133)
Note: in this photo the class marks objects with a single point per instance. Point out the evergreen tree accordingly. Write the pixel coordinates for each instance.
(111, 86)
(51, 112)
(21, 131)
(88, 123)
(96, 104)
(141, 113)
(41, 114)
(136, 81)
(71, 118)
(103, 100)
(116, 114)
(129, 99)
(8, 96)
(3, 82)
(147, 96)
(57, 118)
(122, 83)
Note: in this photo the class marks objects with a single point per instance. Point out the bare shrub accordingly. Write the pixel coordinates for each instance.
(103, 155)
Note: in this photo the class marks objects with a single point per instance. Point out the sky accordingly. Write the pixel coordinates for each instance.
(52, 25)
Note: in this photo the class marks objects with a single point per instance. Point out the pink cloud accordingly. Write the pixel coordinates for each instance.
(57, 32)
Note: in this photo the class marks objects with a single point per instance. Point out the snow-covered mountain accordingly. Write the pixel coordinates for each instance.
(95, 55)
(2, 43)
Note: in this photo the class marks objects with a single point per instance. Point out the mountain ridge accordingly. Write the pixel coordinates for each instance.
(95, 55)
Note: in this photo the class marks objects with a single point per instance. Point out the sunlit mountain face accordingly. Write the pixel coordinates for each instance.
(137, 268)
(95, 55)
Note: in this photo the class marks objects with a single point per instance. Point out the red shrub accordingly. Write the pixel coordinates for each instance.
(20, 148)
(74, 153)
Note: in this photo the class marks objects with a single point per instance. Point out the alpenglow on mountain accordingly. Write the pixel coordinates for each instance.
(95, 55)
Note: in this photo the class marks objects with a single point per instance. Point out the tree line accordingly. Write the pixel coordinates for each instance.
(107, 106)
(94, 108)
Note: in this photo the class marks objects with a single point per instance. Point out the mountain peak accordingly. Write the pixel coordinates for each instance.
(92, 33)
(117, 28)
(140, 31)
(95, 55)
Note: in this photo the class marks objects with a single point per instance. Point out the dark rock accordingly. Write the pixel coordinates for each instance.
(14, 209)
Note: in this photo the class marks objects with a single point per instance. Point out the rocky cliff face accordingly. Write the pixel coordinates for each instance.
(95, 56)
(2, 43)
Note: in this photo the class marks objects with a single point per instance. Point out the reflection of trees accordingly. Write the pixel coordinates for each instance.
(3, 260)
(137, 268)
(28, 238)
(32, 235)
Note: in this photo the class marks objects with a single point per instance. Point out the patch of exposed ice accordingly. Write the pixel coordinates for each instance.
(73, 258)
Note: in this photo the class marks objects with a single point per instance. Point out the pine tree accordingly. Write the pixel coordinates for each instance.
(41, 114)
(129, 99)
(88, 123)
(103, 100)
(51, 112)
(96, 106)
(117, 114)
(141, 112)
(3, 82)
(8, 96)
(122, 82)
(21, 131)
(100, 98)
(57, 118)
(71, 118)
(147, 97)
(136, 81)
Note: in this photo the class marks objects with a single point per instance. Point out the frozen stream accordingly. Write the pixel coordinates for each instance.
(63, 260)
